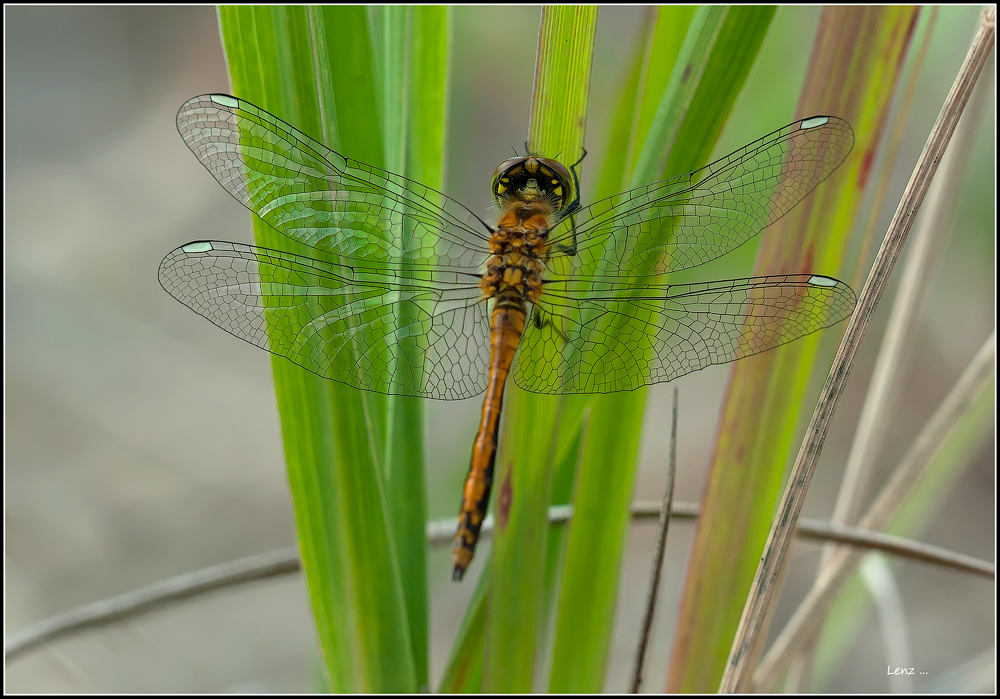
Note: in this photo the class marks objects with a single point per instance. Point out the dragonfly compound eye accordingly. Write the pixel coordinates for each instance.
(533, 178)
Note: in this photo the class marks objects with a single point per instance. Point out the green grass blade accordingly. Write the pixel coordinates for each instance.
(430, 61)
(597, 534)
(527, 446)
(463, 672)
(733, 55)
(562, 81)
(692, 60)
(595, 542)
(412, 52)
(652, 63)
(855, 63)
(314, 69)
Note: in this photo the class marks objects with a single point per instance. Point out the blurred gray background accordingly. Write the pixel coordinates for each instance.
(142, 442)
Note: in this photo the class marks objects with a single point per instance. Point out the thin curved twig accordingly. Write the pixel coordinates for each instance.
(439, 533)
(198, 582)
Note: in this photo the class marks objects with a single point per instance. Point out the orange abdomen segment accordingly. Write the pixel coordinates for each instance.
(506, 327)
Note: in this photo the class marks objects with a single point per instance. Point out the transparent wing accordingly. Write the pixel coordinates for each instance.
(694, 218)
(423, 334)
(320, 198)
(585, 337)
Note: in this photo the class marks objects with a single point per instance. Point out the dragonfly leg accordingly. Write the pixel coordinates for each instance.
(540, 321)
(571, 209)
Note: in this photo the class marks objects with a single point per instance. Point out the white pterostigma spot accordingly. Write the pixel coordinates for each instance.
(817, 280)
(814, 122)
(226, 100)
(200, 246)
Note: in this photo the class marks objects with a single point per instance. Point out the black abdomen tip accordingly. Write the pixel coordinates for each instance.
(457, 572)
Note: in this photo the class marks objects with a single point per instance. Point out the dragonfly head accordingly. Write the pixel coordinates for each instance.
(533, 179)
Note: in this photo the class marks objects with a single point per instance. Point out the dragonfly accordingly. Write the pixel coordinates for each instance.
(402, 290)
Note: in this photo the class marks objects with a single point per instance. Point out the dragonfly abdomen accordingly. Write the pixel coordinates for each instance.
(506, 326)
(514, 279)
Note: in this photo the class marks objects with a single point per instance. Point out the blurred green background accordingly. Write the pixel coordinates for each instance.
(142, 442)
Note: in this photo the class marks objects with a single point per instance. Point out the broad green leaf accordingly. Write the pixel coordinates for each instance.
(414, 50)
(528, 442)
(463, 672)
(597, 534)
(353, 455)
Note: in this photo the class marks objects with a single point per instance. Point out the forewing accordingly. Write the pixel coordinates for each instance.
(586, 337)
(323, 199)
(425, 334)
(695, 218)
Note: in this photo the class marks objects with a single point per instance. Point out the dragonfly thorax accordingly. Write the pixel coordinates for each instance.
(524, 226)
(515, 268)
